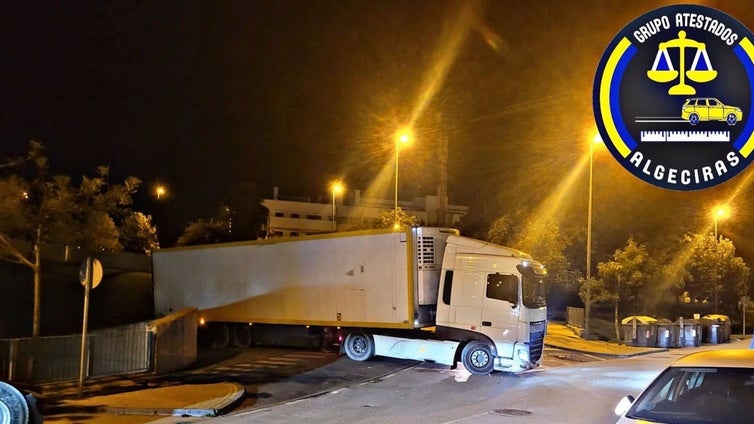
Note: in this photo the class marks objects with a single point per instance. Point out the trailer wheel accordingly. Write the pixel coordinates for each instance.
(242, 335)
(220, 335)
(477, 358)
(359, 346)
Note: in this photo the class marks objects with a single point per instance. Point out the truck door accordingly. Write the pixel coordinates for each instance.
(501, 309)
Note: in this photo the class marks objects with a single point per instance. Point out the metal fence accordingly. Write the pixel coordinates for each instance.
(575, 316)
(114, 351)
(162, 345)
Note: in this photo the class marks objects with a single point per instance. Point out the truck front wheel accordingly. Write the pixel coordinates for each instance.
(359, 346)
(477, 358)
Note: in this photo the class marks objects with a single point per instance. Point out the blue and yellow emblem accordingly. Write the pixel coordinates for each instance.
(673, 97)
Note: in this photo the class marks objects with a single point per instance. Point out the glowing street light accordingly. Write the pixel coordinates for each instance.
(337, 188)
(402, 137)
(720, 212)
(160, 191)
(588, 301)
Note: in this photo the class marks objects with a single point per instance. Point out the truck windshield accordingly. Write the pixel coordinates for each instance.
(533, 285)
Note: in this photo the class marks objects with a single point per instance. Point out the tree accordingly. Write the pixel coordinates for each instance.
(501, 230)
(545, 241)
(387, 219)
(242, 206)
(137, 234)
(625, 280)
(37, 208)
(205, 232)
(241, 216)
(714, 273)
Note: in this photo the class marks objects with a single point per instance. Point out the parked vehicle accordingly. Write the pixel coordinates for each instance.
(418, 293)
(698, 109)
(703, 387)
(18, 405)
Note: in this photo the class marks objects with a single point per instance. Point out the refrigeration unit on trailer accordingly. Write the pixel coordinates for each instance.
(419, 293)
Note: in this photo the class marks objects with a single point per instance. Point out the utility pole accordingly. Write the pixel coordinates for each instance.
(442, 187)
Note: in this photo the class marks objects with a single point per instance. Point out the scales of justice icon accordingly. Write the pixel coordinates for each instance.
(663, 70)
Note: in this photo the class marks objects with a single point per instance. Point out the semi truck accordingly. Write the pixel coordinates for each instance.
(420, 293)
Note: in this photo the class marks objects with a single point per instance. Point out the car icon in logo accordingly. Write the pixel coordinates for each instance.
(697, 109)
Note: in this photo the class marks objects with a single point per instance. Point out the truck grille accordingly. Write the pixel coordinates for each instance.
(536, 340)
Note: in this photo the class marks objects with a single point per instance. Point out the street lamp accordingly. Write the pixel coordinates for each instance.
(588, 301)
(720, 212)
(337, 188)
(159, 191)
(402, 137)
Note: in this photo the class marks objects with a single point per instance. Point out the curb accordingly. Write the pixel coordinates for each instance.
(225, 404)
(164, 402)
(608, 355)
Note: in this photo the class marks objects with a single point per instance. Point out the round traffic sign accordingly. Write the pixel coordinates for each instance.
(96, 272)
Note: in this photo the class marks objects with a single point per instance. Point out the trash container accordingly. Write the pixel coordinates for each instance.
(640, 331)
(689, 333)
(724, 322)
(712, 331)
(666, 333)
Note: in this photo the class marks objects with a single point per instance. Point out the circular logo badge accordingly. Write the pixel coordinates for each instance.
(673, 97)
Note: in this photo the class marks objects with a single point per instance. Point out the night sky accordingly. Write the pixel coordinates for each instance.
(206, 96)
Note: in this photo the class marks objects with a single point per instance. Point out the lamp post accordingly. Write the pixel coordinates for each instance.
(159, 191)
(588, 301)
(718, 213)
(337, 188)
(402, 136)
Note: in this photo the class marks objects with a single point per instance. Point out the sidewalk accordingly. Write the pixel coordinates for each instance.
(562, 336)
(145, 405)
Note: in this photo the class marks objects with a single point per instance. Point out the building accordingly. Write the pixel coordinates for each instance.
(296, 216)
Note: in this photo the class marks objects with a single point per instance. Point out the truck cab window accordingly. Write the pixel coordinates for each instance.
(533, 286)
(502, 287)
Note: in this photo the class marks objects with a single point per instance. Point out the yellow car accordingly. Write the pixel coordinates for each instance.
(710, 387)
(698, 109)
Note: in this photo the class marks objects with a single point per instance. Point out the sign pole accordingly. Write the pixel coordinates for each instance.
(90, 275)
(87, 288)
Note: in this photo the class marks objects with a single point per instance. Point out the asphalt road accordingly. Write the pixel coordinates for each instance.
(270, 376)
(583, 393)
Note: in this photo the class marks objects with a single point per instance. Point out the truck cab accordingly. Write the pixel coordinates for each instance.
(492, 297)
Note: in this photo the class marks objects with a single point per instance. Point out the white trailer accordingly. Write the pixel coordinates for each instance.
(418, 293)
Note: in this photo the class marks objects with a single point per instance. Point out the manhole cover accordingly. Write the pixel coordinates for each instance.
(511, 412)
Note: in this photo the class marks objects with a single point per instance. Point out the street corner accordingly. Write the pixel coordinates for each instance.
(563, 336)
(188, 400)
